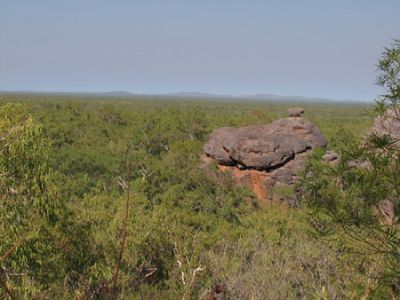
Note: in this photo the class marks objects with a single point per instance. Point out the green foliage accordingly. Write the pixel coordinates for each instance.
(36, 236)
(389, 76)
(190, 228)
(348, 198)
(28, 205)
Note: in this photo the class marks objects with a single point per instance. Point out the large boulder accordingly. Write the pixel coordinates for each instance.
(267, 151)
(263, 155)
(263, 146)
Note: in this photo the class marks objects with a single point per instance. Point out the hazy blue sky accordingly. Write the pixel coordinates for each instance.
(326, 48)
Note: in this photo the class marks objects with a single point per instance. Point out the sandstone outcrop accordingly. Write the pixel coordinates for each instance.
(265, 156)
(295, 112)
(388, 124)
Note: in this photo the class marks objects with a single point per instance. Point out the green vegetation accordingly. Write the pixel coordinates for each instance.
(67, 165)
(65, 202)
(357, 201)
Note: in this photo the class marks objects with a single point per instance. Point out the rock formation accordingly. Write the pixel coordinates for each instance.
(265, 156)
(295, 112)
(330, 156)
(388, 124)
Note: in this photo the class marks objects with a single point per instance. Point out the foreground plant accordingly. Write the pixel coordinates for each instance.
(357, 201)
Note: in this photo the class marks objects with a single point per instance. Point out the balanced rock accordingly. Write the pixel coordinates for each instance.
(295, 112)
(263, 146)
(269, 153)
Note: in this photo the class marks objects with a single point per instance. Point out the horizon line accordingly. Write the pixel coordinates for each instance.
(189, 94)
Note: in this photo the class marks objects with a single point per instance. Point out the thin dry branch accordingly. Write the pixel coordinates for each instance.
(124, 234)
(11, 250)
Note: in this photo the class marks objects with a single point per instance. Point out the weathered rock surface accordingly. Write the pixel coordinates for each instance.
(295, 112)
(261, 156)
(301, 128)
(266, 146)
(220, 140)
(388, 124)
(267, 152)
(330, 156)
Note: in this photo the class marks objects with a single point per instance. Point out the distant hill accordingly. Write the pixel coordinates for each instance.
(256, 97)
(117, 93)
(197, 95)
(194, 95)
(280, 98)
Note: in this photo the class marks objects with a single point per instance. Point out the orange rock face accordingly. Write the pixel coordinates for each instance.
(254, 179)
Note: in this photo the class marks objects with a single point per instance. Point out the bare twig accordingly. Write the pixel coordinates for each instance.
(11, 250)
(3, 284)
(126, 185)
